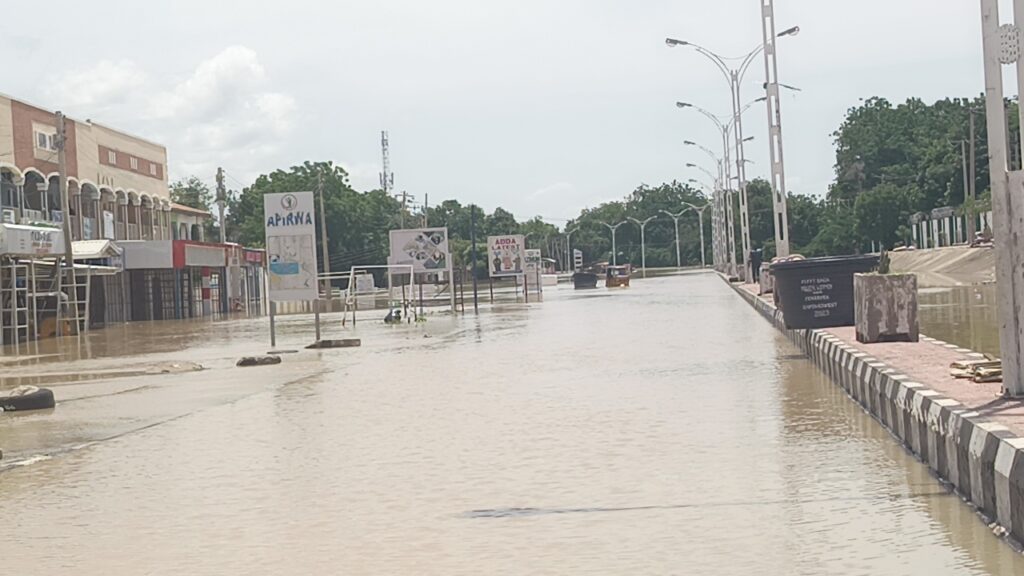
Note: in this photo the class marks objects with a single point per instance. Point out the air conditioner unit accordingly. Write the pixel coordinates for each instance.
(32, 216)
(8, 216)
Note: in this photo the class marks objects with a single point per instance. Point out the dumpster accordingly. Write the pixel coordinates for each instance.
(818, 292)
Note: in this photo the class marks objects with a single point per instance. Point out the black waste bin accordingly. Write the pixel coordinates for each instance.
(818, 292)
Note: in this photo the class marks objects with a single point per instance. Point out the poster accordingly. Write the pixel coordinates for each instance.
(291, 248)
(425, 249)
(108, 225)
(505, 255)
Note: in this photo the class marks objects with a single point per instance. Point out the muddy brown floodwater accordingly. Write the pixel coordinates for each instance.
(661, 429)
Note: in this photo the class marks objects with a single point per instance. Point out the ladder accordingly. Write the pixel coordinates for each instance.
(14, 303)
(77, 284)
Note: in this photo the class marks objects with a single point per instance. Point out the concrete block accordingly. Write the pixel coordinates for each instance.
(885, 307)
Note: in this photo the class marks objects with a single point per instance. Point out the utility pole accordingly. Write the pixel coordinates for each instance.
(69, 256)
(323, 231)
(426, 205)
(62, 174)
(675, 219)
(971, 214)
(405, 197)
(1001, 47)
(472, 239)
(221, 197)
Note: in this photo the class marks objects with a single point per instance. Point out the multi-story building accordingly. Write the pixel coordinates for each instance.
(117, 183)
(120, 210)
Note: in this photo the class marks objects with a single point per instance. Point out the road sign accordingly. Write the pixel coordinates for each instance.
(577, 259)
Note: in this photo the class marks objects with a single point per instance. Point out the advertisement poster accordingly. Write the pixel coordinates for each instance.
(18, 240)
(534, 268)
(505, 255)
(291, 248)
(425, 249)
(108, 225)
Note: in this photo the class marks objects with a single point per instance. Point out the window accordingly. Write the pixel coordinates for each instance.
(112, 157)
(46, 141)
(134, 162)
(152, 169)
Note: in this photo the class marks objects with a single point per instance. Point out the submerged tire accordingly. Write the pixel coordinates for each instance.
(27, 398)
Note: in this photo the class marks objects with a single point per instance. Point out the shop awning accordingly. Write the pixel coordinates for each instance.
(95, 249)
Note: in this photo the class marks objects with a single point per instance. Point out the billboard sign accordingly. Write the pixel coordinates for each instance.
(291, 248)
(425, 249)
(506, 255)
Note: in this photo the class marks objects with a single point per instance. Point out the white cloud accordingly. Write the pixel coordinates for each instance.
(98, 87)
(218, 84)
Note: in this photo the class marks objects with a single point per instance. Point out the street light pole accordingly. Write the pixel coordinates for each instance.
(771, 72)
(699, 210)
(613, 229)
(675, 219)
(1006, 190)
(569, 259)
(643, 245)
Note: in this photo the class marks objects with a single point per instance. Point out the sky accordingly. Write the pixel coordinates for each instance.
(540, 107)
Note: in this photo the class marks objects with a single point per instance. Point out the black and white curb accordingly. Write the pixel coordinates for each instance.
(982, 460)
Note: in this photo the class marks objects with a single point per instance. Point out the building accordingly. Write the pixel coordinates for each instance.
(119, 198)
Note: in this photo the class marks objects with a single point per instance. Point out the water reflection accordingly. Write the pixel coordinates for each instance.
(963, 315)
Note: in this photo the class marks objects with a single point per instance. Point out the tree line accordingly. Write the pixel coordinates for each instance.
(891, 162)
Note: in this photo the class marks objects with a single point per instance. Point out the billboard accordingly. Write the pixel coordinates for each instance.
(425, 249)
(506, 255)
(291, 248)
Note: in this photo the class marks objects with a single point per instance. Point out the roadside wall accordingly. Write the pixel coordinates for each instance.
(982, 460)
(948, 266)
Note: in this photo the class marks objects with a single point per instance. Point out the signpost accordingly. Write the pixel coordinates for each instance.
(577, 259)
(506, 255)
(533, 269)
(426, 250)
(291, 250)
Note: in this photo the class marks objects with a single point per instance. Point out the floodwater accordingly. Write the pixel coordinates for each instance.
(661, 429)
(965, 315)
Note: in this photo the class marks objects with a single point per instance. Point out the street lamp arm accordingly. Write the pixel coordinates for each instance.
(722, 127)
(719, 62)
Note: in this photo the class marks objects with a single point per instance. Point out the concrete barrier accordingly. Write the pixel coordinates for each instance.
(982, 460)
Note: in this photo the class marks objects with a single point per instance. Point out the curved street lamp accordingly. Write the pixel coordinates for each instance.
(612, 228)
(734, 76)
(643, 246)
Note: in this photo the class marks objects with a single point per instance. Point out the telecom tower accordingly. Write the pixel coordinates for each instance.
(387, 177)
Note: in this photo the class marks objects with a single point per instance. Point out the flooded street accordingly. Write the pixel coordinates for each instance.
(661, 429)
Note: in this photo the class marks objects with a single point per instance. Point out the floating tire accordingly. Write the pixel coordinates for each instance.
(27, 398)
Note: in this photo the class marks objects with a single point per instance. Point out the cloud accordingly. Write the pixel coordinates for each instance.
(99, 87)
(223, 114)
(215, 86)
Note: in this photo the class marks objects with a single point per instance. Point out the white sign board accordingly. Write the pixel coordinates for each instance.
(108, 225)
(577, 259)
(533, 269)
(425, 249)
(291, 249)
(18, 240)
(505, 255)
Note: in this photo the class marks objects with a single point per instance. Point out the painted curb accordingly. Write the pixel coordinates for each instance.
(982, 460)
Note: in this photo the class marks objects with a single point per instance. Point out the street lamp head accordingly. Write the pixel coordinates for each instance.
(683, 105)
(689, 142)
(671, 42)
(789, 32)
(762, 99)
(748, 138)
(690, 165)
